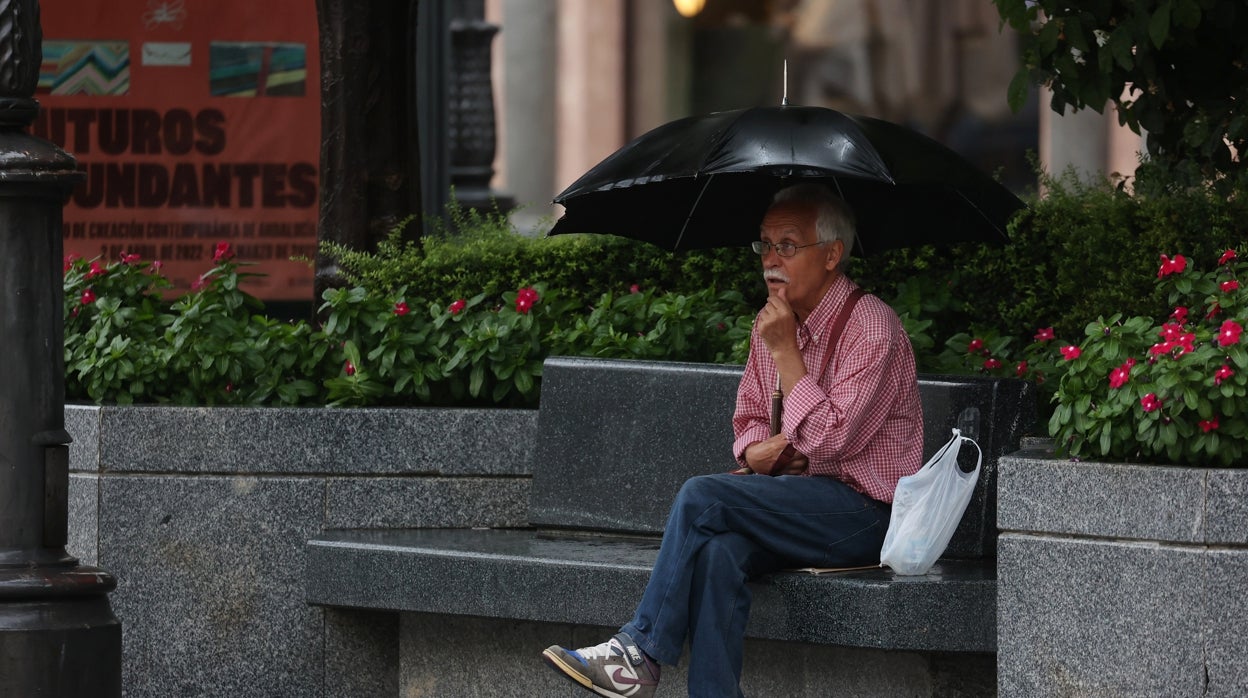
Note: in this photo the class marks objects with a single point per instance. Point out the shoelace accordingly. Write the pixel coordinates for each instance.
(604, 650)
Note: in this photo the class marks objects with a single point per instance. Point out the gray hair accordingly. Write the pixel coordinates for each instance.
(834, 219)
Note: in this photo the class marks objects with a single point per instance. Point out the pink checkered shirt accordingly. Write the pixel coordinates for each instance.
(862, 422)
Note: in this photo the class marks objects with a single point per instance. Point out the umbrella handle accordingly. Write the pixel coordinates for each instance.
(777, 409)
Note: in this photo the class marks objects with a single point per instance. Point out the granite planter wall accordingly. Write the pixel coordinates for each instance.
(1121, 580)
(202, 515)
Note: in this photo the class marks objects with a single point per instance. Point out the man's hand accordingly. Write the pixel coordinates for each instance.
(761, 455)
(777, 324)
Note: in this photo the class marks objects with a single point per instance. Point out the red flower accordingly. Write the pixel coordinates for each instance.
(1044, 334)
(1179, 315)
(1171, 266)
(223, 252)
(1213, 311)
(1170, 331)
(975, 345)
(1119, 376)
(1150, 402)
(991, 364)
(96, 270)
(1228, 334)
(401, 309)
(1071, 352)
(88, 297)
(70, 259)
(229, 387)
(525, 298)
(349, 368)
(158, 265)
(1021, 369)
(127, 258)
(1186, 342)
(1222, 374)
(457, 306)
(1228, 286)
(634, 289)
(1226, 257)
(1208, 425)
(198, 284)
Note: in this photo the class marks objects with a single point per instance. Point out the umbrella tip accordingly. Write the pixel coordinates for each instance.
(784, 97)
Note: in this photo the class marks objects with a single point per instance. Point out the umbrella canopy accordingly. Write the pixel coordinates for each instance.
(706, 181)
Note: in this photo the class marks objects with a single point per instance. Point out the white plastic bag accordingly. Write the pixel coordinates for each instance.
(927, 507)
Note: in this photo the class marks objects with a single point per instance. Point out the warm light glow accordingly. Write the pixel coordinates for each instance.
(689, 8)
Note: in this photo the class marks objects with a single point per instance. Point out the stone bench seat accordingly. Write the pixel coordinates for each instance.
(596, 579)
(615, 440)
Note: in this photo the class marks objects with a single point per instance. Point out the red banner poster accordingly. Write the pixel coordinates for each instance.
(196, 122)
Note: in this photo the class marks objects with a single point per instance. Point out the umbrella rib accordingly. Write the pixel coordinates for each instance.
(688, 218)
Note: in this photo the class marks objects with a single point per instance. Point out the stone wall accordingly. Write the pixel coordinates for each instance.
(202, 515)
(1121, 580)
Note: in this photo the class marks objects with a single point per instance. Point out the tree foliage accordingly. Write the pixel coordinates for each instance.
(1178, 69)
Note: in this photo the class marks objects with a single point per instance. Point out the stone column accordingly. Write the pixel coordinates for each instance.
(58, 634)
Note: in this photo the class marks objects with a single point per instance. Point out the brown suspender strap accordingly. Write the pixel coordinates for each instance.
(834, 336)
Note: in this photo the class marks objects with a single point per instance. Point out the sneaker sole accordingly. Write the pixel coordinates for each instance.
(556, 662)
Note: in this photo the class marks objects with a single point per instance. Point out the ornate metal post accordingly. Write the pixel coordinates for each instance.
(470, 108)
(58, 634)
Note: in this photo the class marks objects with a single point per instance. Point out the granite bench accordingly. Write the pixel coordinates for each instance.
(615, 441)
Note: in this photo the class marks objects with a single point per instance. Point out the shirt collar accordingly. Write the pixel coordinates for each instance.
(822, 316)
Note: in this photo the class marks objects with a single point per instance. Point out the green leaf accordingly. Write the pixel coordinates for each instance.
(1159, 25)
(1020, 87)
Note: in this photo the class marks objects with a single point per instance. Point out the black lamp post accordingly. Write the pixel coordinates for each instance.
(58, 634)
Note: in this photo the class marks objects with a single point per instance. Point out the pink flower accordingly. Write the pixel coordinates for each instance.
(1171, 266)
(1044, 334)
(158, 265)
(991, 364)
(1228, 334)
(1228, 286)
(198, 284)
(1222, 374)
(88, 297)
(1071, 352)
(1179, 315)
(96, 270)
(1119, 376)
(525, 298)
(1208, 425)
(634, 289)
(401, 309)
(1021, 369)
(229, 387)
(127, 258)
(457, 306)
(223, 252)
(1226, 257)
(975, 345)
(1150, 402)
(349, 368)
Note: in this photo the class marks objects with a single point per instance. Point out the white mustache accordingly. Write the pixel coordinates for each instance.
(775, 275)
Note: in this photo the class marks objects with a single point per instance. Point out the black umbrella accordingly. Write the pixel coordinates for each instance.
(706, 181)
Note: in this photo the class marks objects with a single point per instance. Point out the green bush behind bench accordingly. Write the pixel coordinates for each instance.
(1080, 252)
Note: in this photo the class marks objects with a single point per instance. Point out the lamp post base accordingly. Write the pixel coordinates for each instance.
(58, 635)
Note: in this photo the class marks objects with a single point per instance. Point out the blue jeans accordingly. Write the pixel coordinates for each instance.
(724, 530)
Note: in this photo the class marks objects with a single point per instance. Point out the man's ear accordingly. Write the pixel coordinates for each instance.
(836, 250)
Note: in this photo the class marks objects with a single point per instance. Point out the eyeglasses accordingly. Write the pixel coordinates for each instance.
(784, 249)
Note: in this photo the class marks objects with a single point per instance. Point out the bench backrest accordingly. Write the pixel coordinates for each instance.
(618, 438)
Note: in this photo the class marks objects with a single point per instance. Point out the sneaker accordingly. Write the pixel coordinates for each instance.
(616, 668)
